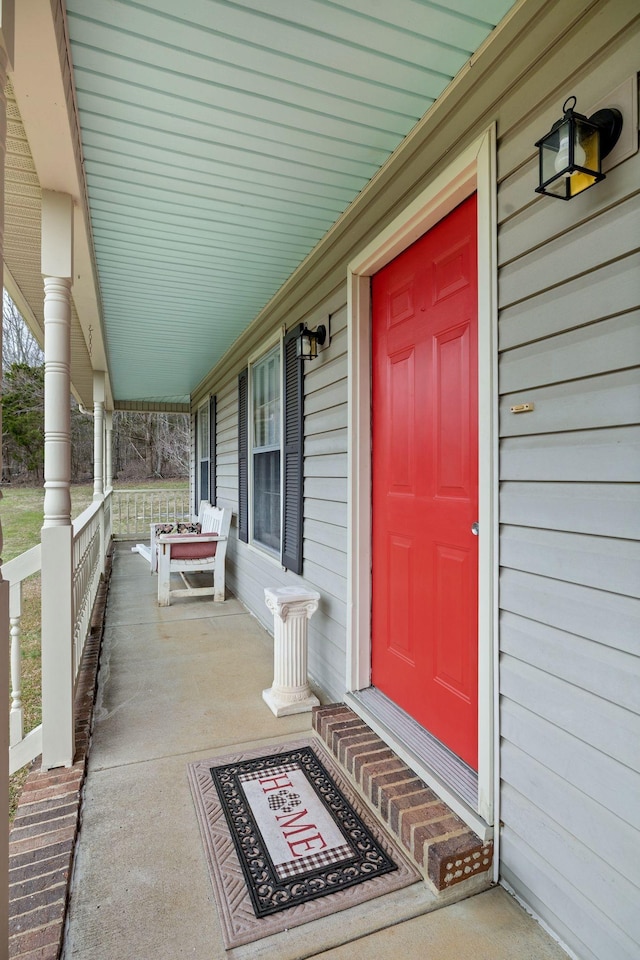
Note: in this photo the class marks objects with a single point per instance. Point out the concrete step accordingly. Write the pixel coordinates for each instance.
(442, 846)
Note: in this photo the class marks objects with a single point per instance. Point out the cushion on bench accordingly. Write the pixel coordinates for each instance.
(190, 550)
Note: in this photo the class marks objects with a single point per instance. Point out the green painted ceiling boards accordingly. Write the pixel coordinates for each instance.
(223, 139)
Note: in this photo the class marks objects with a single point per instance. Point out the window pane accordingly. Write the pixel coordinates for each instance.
(266, 499)
(204, 479)
(203, 431)
(266, 401)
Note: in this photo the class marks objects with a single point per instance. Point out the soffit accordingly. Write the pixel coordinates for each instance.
(23, 276)
(221, 140)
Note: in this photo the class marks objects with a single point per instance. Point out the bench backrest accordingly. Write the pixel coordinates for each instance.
(204, 505)
(216, 520)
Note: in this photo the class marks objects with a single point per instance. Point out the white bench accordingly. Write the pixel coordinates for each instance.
(171, 526)
(203, 552)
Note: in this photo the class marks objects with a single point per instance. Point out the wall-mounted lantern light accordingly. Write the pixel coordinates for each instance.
(309, 340)
(571, 153)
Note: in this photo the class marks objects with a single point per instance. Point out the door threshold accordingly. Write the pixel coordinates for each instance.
(438, 766)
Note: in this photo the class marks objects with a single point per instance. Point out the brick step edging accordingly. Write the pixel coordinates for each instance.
(444, 848)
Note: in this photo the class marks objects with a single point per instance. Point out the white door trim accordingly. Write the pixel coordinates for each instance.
(473, 170)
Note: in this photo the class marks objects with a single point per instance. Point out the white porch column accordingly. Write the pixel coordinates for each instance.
(108, 423)
(6, 59)
(57, 533)
(98, 454)
(291, 608)
(98, 434)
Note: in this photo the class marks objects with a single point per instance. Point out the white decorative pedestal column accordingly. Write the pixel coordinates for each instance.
(291, 608)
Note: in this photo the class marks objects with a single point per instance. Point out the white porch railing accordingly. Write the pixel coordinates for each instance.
(108, 497)
(22, 749)
(133, 511)
(91, 535)
(88, 564)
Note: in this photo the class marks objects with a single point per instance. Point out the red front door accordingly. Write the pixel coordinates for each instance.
(425, 481)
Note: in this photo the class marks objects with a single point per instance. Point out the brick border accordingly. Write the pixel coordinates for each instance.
(42, 839)
(445, 849)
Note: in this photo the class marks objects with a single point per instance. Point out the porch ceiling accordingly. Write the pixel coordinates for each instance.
(223, 138)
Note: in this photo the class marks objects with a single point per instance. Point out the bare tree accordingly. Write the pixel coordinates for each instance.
(150, 445)
(81, 444)
(146, 445)
(18, 343)
(23, 396)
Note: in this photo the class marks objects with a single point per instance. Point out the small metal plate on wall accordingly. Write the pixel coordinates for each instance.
(625, 99)
(522, 408)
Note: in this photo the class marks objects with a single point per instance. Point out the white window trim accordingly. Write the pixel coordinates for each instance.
(473, 170)
(259, 548)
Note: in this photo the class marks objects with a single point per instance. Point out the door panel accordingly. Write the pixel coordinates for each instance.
(402, 386)
(425, 481)
(400, 632)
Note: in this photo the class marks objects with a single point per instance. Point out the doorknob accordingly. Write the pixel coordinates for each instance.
(475, 528)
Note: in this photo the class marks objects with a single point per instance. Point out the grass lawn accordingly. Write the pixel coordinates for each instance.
(21, 510)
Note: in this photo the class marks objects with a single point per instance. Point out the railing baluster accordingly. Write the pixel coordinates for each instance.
(16, 716)
(22, 749)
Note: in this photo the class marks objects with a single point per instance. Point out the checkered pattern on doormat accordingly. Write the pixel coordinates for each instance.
(294, 868)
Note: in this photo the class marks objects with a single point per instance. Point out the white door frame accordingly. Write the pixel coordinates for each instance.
(473, 170)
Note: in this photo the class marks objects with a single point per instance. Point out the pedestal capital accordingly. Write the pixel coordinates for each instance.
(282, 601)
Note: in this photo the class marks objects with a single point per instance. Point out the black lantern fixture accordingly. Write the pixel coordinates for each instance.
(309, 340)
(571, 154)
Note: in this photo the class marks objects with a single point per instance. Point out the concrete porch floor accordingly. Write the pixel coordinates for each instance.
(181, 683)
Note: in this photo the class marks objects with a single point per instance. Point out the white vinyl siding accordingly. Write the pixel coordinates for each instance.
(325, 509)
(325, 515)
(227, 447)
(569, 337)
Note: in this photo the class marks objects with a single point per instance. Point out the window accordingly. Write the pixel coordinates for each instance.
(202, 457)
(270, 438)
(265, 450)
(205, 431)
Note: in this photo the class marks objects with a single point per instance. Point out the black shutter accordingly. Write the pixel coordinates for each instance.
(293, 400)
(196, 467)
(243, 472)
(212, 450)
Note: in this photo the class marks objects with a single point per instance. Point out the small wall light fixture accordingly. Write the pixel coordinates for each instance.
(571, 154)
(309, 340)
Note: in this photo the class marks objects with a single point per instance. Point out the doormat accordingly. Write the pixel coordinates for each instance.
(287, 840)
